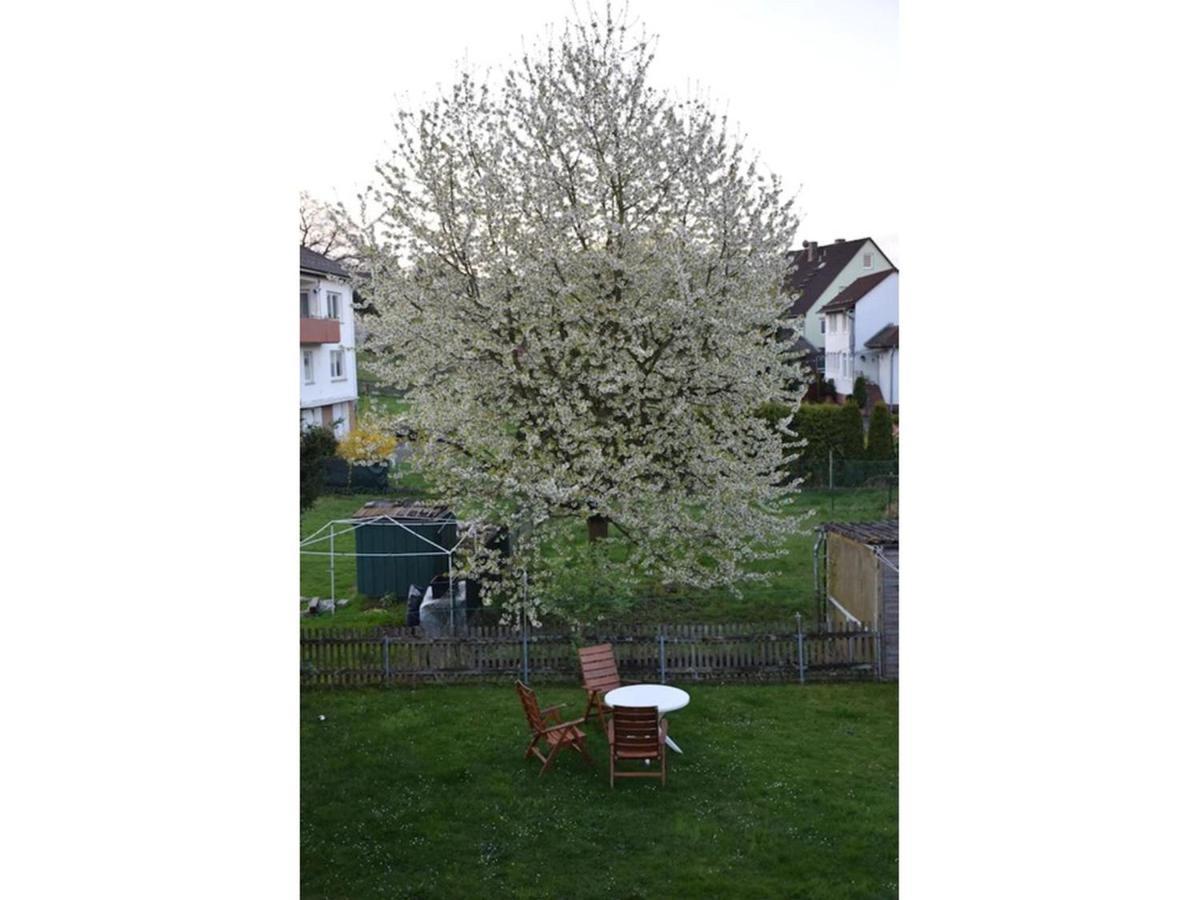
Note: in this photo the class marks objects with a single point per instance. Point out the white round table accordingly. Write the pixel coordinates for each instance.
(666, 698)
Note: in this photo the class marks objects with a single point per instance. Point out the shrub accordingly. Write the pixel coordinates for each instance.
(879, 436)
(315, 445)
(365, 446)
(850, 430)
(860, 391)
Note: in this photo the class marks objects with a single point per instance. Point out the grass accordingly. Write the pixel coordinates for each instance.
(787, 592)
(381, 404)
(782, 791)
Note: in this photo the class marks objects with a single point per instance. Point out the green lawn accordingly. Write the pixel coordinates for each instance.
(380, 404)
(786, 593)
(782, 791)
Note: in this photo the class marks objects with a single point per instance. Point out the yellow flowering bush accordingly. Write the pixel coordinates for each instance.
(366, 445)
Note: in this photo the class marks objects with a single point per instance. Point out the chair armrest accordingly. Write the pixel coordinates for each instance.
(554, 707)
(561, 725)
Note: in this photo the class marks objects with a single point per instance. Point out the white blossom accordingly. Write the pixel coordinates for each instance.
(578, 282)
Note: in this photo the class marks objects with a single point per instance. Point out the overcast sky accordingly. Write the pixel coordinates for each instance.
(812, 83)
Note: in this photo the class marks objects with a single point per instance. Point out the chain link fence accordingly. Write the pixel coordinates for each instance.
(834, 471)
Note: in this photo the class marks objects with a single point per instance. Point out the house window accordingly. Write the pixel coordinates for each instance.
(830, 363)
(336, 364)
(309, 368)
(822, 324)
(334, 301)
(304, 310)
(868, 260)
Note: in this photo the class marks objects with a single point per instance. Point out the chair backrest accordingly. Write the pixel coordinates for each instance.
(599, 668)
(529, 701)
(635, 730)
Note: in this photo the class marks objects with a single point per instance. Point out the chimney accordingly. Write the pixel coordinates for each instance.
(811, 246)
(839, 240)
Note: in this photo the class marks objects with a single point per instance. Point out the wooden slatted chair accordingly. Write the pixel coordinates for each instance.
(547, 727)
(600, 676)
(636, 734)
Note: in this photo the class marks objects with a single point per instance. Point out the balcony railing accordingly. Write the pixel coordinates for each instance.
(320, 331)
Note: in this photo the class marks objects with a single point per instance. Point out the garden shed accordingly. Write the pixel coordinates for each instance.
(862, 581)
(400, 544)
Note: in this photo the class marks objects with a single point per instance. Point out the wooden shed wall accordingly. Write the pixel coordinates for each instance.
(853, 578)
(890, 618)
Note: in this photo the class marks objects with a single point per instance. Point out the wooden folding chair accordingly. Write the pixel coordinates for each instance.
(635, 734)
(547, 728)
(600, 676)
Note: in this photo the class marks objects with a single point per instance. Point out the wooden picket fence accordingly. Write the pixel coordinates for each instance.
(665, 653)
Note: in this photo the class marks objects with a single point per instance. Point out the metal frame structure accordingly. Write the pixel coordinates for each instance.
(329, 529)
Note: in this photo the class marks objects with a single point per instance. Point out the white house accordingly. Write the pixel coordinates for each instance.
(328, 380)
(862, 335)
(820, 273)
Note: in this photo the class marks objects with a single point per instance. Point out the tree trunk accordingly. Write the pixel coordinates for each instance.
(597, 528)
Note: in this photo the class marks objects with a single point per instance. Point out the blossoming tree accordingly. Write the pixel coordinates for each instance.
(578, 281)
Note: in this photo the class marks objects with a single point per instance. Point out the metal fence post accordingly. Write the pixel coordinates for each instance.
(387, 669)
(332, 591)
(662, 656)
(525, 647)
(800, 646)
(525, 626)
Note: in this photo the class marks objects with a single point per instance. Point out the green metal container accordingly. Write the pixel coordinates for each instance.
(426, 533)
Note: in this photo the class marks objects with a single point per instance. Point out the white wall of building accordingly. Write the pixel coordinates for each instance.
(845, 333)
(839, 360)
(324, 389)
(889, 375)
(879, 307)
(853, 270)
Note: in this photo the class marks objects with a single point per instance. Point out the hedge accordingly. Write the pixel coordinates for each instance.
(880, 444)
(850, 430)
(825, 427)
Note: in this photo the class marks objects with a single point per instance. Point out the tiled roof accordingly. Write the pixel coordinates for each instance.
(803, 346)
(312, 261)
(855, 291)
(887, 336)
(810, 279)
(796, 342)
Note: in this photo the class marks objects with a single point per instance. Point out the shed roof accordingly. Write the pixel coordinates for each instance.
(402, 509)
(885, 533)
